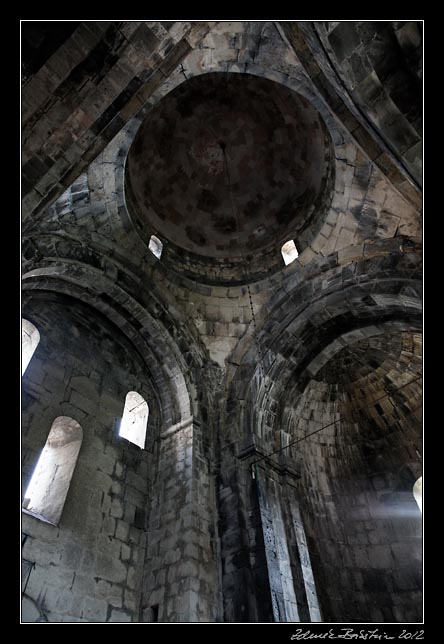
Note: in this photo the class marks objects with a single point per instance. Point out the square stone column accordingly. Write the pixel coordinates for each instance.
(292, 587)
(290, 577)
(180, 581)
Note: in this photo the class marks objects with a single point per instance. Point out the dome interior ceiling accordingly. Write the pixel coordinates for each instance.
(228, 164)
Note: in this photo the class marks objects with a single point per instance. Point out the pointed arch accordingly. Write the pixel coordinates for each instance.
(30, 340)
(134, 419)
(46, 493)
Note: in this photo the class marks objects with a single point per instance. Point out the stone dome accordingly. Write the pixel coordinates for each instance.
(226, 167)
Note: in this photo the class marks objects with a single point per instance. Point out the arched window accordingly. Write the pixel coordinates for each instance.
(155, 246)
(289, 252)
(46, 493)
(417, 492)
(135, 419)
(30, 340)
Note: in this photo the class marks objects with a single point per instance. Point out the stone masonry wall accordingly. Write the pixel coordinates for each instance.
(178, 532)
(181, 582)
(363, 525)
(245, 577)
(89, 568)
(87, 90)
(382, 79)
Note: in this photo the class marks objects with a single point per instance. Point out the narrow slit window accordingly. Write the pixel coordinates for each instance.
(289, 252)
(46, 493)
(156, 246)
(30, 340)
(134, 419)
(417, 492)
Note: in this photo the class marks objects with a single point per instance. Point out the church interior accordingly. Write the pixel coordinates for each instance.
(221, 321)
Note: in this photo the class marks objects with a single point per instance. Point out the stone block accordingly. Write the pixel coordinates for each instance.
(119, 470)
(131, 600)
(122, 530)
(134, 578)
(134, 496)
(380, 557)
(70, 602)
(112, 404)
(105, 462)
(106, 545)
(106, 503)
(116, 488)
(116, 508)
(110, 569)
(187, 569)
(88, 562)
(112, 593)
(41, 552)
(35, 372)
(101, 480)
(81, 402)
(29, 611)
(130, 510)
(125, 552)
(40, 578)
(134, 535)
(72, 554)
(67, 409)
(119, 616)
(95, 610)
(84, 585)
(38, 529)
(109, 526)
(94, 519)
(85, 386)
(136, 481)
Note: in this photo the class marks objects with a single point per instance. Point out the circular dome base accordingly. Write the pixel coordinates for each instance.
(224, 170)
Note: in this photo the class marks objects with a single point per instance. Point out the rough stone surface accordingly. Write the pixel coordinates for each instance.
(284, 427)
(249, 158)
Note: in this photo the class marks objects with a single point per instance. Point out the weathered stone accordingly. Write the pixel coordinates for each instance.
(94, 609)
(273, 480)
(119, 616)
(116, 509)
(110, 569)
